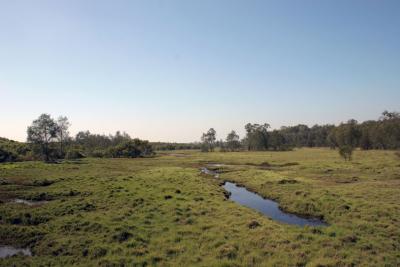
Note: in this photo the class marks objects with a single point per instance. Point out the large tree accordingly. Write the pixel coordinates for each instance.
(233, 141)
(208, 139)
(276, 140)
(62, 131)
(41, 133)
(257, 136)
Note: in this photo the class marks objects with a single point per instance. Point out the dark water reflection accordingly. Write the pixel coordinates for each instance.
(268, 207)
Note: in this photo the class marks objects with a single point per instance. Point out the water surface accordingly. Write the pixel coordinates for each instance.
(28, 202)
(7, 251)
(268, 207)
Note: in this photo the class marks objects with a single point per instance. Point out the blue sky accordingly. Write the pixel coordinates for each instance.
(169, 70)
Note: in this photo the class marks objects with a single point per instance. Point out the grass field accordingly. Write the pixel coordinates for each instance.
(162, 211)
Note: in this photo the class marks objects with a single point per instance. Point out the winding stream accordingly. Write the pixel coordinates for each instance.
(266, 206)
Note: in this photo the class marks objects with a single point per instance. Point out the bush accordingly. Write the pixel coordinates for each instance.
(98, 153)
(223, 149)
(74, 154)
(7, 156)
(11, 151)
(204, 148)
(131, 149)
(122, 236)
(346, 152)
(52, 153)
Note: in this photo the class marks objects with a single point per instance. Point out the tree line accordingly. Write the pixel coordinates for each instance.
(166, 146)
(383, 133)
(49, 140)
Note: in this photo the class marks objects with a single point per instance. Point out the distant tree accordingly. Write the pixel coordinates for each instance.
(276, 140)
(204, 147)
(208, 140)
(346, 152)
(62, 132)
(119, 138)
(365, 142)
(388, 130)
(223, 147)
(257, 136)
(331, 139)
(386, 115)
(41, 133)
(233, 141)
(91, 142)
(348, 134)
(74, 153)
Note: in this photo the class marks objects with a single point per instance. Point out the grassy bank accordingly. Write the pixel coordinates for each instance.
(162, 211)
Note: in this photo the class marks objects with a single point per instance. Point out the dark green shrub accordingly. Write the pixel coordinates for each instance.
(346, 152)
(11, 151)
(74, 154)
(122, 236)
(7, 156)
(204, 148)
(98, 153)
(131, 149)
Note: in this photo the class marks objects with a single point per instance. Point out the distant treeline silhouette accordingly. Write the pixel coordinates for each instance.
(49, 139)
(383, 133)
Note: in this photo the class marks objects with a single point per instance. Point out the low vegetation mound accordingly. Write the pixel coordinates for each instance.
(11, 151)
(131, 149)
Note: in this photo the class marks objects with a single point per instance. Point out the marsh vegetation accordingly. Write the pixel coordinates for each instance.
(260, 200)
(163, 211)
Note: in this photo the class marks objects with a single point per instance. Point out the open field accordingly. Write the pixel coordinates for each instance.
(162, 211)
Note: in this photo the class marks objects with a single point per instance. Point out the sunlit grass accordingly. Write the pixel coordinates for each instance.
(162, 211)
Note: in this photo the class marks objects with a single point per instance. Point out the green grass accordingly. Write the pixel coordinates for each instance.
(162, 211)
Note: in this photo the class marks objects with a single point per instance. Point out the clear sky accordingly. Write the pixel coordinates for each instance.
(169, 70)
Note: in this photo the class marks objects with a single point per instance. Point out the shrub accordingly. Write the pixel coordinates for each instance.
(51, 155)
(11, 151)
(223, 149)
(131, 149)
(98, 153)
(122, 236)
(204, 148)
(346, 152)
(74, 154)
(253, 224)
(7, 156)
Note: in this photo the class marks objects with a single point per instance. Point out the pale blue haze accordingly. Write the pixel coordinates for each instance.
(169, 70)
